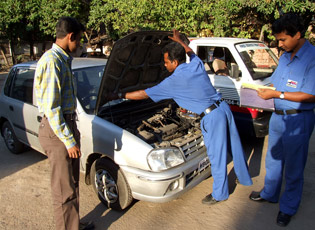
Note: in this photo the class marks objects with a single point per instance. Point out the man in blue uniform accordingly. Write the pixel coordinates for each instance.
(190, 87)
(292, 123)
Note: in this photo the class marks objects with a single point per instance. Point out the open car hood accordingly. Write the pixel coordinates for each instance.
(136, 62)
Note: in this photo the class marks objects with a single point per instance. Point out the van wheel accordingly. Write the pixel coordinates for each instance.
(10, 139)
(110, 184)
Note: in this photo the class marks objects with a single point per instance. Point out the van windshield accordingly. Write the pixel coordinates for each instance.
(258, 58)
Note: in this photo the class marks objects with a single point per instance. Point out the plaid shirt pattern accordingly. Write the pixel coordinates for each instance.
(56, 91)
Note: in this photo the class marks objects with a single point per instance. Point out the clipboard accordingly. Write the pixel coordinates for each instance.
(249, 97)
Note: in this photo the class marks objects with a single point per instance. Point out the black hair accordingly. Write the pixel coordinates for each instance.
(175, 52)
(289, 23)
(66, 25)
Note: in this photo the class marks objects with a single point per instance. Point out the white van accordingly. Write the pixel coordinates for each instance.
(230, 62)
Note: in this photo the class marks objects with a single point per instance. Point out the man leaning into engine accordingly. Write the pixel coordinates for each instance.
(190, 87)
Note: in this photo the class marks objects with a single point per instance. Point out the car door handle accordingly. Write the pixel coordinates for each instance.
(11, 108)
(39, 118)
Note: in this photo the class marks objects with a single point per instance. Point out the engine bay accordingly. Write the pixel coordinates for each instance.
(158, 124)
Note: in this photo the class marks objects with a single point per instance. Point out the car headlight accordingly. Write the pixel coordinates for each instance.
(162, 159)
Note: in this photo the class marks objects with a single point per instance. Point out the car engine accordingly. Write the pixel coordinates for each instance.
(158, 124)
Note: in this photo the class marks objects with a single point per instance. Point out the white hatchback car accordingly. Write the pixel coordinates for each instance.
(130, 149)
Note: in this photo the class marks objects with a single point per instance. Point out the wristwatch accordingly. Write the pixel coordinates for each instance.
(281, 95)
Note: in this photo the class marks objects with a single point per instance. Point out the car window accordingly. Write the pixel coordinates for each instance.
(22, 85)
(258, 58)
(8, 82)
(88, 81)
(217, 60)
(205, 53)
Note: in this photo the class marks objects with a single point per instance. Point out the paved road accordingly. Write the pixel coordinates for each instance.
(25, 201)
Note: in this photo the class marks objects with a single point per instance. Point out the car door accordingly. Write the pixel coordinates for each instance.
(23, 112)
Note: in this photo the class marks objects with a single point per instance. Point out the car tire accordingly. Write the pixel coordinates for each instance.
(10, 139)
(110, 184)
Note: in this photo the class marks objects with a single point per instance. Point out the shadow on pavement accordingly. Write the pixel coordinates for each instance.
(105, 221)
(11, 163)
(253, 149)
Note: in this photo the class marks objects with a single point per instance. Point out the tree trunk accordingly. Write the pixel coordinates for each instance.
(5, 58)
(11, 47)
(262, 31)
(88, 38)
(32, 56)
(43, 47)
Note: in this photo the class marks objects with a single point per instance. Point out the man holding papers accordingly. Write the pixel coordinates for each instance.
(292, 122)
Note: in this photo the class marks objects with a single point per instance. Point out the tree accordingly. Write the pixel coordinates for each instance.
(34, 20)
(121, 17)
(258, 15)
(253, 18)
(20, 22)
(52, 10)
(229, 18)
(11, 15)
(31, 22)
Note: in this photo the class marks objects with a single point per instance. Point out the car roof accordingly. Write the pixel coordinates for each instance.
(221, 40)
(77, 63)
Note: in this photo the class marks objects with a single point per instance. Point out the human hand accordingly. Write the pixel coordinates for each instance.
(176, 36)
(112, 96)
(74, 152)
(266, 93)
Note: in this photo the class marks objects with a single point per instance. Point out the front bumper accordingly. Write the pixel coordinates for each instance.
(169, 184)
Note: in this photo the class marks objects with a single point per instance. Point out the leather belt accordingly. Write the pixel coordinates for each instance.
(288, 112)
(211, 108)
(70, 116)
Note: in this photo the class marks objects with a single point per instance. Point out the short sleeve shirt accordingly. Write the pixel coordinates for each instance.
(189, 86)
(296, 75)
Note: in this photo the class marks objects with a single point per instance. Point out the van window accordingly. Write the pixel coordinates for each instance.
(205, 53)
(217, 60)
(258, 58)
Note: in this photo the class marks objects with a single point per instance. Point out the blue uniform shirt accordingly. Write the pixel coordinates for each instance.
(296, 75)
(189, 86)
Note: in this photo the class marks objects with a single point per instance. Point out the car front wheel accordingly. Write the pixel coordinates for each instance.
(110, 184)
(10, 139)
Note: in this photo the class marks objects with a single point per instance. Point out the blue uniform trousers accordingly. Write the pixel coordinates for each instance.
(220, 137)
(287, 151)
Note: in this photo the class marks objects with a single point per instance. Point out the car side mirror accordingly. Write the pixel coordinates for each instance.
(235, 71)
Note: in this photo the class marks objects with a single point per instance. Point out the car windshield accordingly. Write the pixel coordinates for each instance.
(88, 82)
(258, 58)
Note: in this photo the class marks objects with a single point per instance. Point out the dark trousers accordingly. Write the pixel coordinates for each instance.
(65, 174)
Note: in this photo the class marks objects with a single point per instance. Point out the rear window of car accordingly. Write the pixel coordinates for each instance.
(22, 85)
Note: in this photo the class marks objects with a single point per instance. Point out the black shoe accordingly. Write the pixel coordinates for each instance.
(255, 196)
(283, 219)
(209, 200)
(86, 225)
